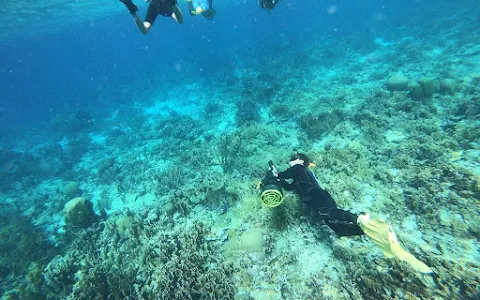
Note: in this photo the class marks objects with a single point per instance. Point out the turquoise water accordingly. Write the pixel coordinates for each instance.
(129, 162)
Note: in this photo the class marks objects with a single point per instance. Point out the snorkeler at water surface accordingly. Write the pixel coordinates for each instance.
(166, 8)
(268, 4)
(201, 7)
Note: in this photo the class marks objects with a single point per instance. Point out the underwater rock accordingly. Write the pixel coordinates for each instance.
(71, 189)
(130, 198)
(394, 136)
(253, 242)
(214, 178)
(247, 111)
(34, 276)
(79, 213)
(10, 295)
(123, 224)
(445, 218)
(475, 78)
(429, 86)
(448, 86)
(415, 90)
(169, 208)
(242, 295)
(397, 83)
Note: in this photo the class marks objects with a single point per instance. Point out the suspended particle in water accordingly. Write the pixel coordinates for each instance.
(332, 9)
(178, 67)
(380, 17)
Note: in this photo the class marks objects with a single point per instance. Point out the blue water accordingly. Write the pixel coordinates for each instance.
(49, 74)
(101, 107)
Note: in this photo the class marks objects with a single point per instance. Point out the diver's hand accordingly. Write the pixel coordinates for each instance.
(273, 169)
(275, 172)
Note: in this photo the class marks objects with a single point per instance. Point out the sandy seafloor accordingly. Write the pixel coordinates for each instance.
(172, 177)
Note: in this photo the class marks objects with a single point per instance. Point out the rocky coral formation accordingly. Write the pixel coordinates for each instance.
(143, 262)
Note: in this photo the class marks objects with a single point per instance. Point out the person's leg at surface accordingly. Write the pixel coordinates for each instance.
(191, 9)
(152, 13)
(209, 14)
(132, 8)
(177, 14)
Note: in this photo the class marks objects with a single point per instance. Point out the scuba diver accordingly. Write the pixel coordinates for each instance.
(268, 4)
(166, 8)
(201, 7)
(342, 222)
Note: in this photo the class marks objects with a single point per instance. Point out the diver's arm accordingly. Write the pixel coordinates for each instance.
(290, 172)
(286, 186)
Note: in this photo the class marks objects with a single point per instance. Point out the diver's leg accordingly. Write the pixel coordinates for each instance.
(344, 229)
(191, 9)
(143, 26)
(342, 215)
(320, 199)
(132, 8)
(177, 14)
(150, 17)
(342, 222)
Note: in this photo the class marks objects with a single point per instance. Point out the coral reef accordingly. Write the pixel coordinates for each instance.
(144, 262)
(25, 251)
(168, 166)
(247, 111)
(79, 214)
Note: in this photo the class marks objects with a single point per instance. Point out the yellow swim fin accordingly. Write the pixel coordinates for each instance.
(382, 234)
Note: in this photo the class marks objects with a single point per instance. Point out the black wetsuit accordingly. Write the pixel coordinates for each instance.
(342, 222)
(159, 7)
